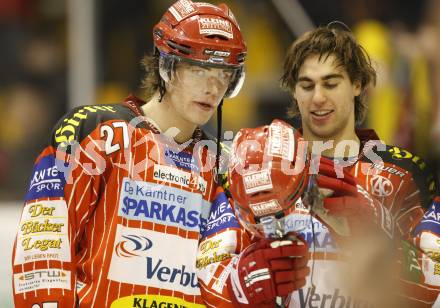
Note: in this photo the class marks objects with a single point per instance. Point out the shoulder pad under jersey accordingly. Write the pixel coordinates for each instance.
(421, 172)
(81, 121)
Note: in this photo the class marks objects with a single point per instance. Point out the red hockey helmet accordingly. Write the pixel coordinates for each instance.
(268, 174)
(204, 34)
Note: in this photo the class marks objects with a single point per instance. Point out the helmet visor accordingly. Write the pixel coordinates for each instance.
(200, 76)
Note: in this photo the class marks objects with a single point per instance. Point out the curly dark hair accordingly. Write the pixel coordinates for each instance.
(151, 81)
(325, 41)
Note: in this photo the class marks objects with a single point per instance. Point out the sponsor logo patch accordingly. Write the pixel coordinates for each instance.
(265, 208)
(217, 53)
(433, 215)
(215, 26)
(381, 186)
(281, 142)
(132, 246)
(430, 245)
(430, 221)
(41, 279)
(257, 181)
(308, 297)
(182, 160)
(186, 179)
(181, 9)
(47, 181)
(220, 217)
(431, 271)
(152, 301)
(205, 4)
(43, 233)
(389, 169)
(215, 257)
(65, 134)
(215, 249)
(161, 204)
(165, 264)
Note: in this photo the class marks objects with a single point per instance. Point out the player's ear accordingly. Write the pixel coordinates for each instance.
(293, 92)
(357, 88)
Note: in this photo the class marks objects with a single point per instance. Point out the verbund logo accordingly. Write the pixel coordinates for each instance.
(133, 246)
(148, 257)
(169, 274)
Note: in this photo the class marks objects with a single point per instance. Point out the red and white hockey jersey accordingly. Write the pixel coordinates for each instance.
(118, 216)
(402, 182)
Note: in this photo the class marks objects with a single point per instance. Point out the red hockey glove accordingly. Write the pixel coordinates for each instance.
(352, 202)
(268, 269)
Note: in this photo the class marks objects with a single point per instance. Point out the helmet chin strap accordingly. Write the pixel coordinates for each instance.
(219, 135)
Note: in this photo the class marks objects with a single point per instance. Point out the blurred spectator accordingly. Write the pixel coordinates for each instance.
(429, 39)
(403, 104)
(23, 130)
(386, 100)
(32, 89)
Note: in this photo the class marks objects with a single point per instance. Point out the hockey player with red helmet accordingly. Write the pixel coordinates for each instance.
(123, 208)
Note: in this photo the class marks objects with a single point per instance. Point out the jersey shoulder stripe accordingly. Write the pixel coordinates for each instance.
(77, 124)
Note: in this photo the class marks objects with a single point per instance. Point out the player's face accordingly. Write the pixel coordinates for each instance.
(325, 97)
(196, 91)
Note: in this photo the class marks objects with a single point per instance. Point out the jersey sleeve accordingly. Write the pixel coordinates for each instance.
(419, 275)
(61, 196)
(421, 263)
(222, 239)
(416, 192)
